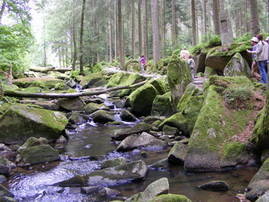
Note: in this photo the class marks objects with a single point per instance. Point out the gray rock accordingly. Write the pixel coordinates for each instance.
(139, 140)
(215, 186)
(75, 104)
(178, 153)
(169, 130)
(6, 166)
(264, 198)
(156, 188)
(33, 141)
(110, 176)
(265, 155)
(113, 163)
(127, 116)
(93, 107)
(78, 118)
(4, 192)
(90, 190)
(7, 152)
(2, 179)
(102, 116)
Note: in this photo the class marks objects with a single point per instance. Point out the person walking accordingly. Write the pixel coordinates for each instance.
(191, 64)
(142, 62)
(261, 51)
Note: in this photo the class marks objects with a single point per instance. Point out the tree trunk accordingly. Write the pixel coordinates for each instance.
(145, 6)
(216, 18)
(205, 17)
(226, 32)
(255, 27)
(193, 19)
(133, 27)
(81, 71)
(155, 31)
(110, 40)
(74, 37)
(139, 27)
(120, 36)
(174, 25)
(2, 9)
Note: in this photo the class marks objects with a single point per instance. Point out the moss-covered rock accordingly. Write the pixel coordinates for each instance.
(170, 198)
(102, 116)
(20, 122)
(201, 62)
(93, 80)
(210, 71)
(179, 76)
(237, 66)
(178, 153)
(93, 107)
(141, 100)
(6, 166)
(113, 163)
(162, 105)
(74, 104)
(259, 183)
(211, 146)
(127, 116)
(161, 85)
(215, 61)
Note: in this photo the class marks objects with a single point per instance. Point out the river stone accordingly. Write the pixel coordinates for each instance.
(139, 140)
(102, 116)
(170, 198)
(113, 163)
(162, 105)
(20, 122)
(169, 130)
(2, 179)
(110, 176)
(215, 186)
(33, 141)
(71, 104)
(125, 115)
(178, 153)
(125, 132)
(141, 100)
(6, 166)
(78, 118)
(263, 198)
(7, 152)
(156, 188)
(39, 154)
(237, 66)
(5, 195)
(93, 107)
(259, 184)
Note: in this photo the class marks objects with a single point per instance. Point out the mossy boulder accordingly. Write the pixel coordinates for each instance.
(216, 61)
(6, 166)
(212, 145)
(45, 83)
(93, 107)
(113, 163)
(162, 105)
(136, 170)
(259, 183)
(161, 85)
(102, 116)
(39, 154)
(171, 198)
(93, 80)
(237, 66)
(74, 104)
(201, 62)
(210, 71)
(179, 76)
(127, 116)
(141, 100)
(19, 122)
(178, 153)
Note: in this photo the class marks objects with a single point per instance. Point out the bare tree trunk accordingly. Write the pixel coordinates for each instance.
(163, 31)
(205, 17)
(155, 31)
(133, 27)
(2, 9)
(139, 27)
(194, 23)
(216, 18)
(110, 40)
(174, 25)
(145, 6)
(81, 37)
(267, 15)
(120, 36)
(226, 32)
(74, 37)
(116, 31)
(255, 27)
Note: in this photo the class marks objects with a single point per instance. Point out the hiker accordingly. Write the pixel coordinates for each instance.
(254, 65)
(261, 53)
(142, 62)
(184, 54)
(191, 64)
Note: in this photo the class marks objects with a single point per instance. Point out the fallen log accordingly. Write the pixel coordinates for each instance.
(50, 69)
(69, 95)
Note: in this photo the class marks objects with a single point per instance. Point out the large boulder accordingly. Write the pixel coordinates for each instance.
(156, 188)
(20, 122)
(178, 153)
(92, 80)
(141, 99)
(216, 59)
(93, 107)
(201, 62)
(219, 137)
(259, 184)
(74, 104)
(237, 66)
(139, 140)
(110, 176)
(161, 85)
(170, 198)
(179, 76)
(162, 105)
(102, 116)
(263, 198)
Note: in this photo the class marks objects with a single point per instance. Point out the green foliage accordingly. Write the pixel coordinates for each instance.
(14, 43)
(212, 42)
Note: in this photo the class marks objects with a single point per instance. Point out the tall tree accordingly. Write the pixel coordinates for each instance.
(194, 24)
(255, 26)
(226, 32)
(2, 9)
(74, 38)
(133, 27)
(216, 19)
(140, 27)
(120, 36)
(81, 36)
(155, 30)
(145, 22)
(205, 17)
(174, 25)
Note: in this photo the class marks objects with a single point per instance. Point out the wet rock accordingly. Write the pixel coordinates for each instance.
(237, 66)
(161, 85)
(161, 164)
(39, 154)
(152, 119)
(110, 176)
(102, 116)
(125, 115)
(156, 188)
(259, 183)
(215, 186)
(4, 192)
(93, 107)
(33, 141)
(23, 121)
(141, 100)
(6, 152)
(113, 163)
(162, 105)
(265, 155)
(125, 132)
(60, 143)
(93, 80)
(263, 198)
(74, 104)
(171, 197)
(2, 179)
(90, 190)
(139, 140)
(78, 118)
(178, 153)
(201, 63)
(6, 166)
(169, 130)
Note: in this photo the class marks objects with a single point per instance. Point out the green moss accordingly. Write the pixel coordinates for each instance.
(161, 85)
(45, 83)
(162, 105)
(202, 47)
(233, 150)
(122, 79)
(171, 198)
(235, 82)
(94, 77)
